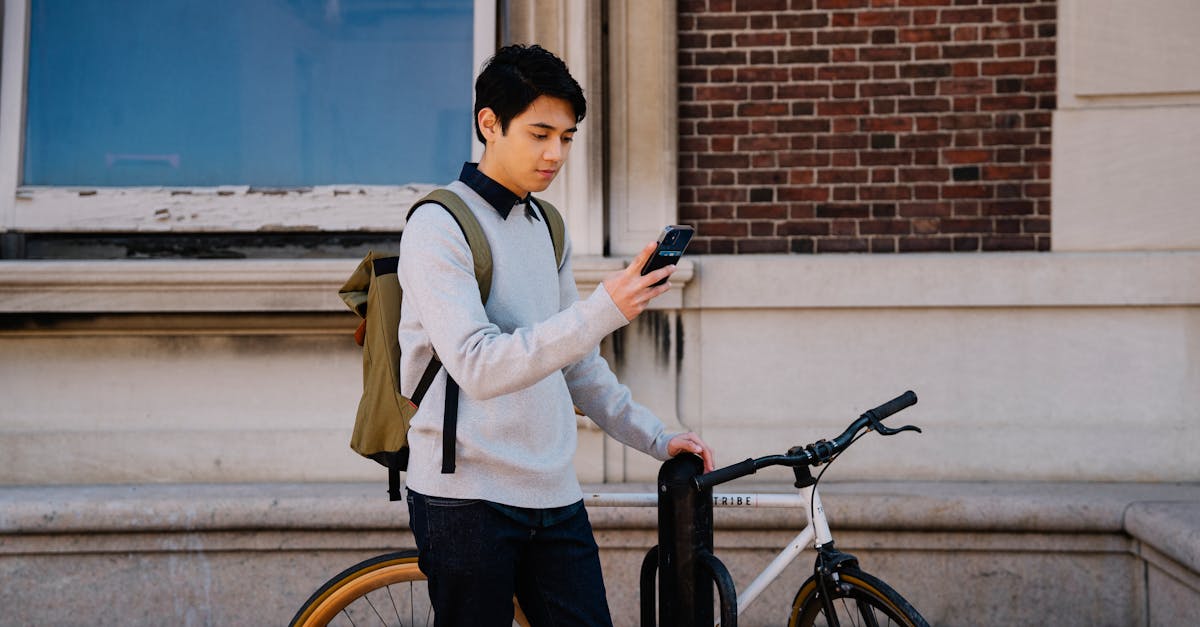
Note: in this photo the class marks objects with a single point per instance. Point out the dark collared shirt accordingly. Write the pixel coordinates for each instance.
(498, 196)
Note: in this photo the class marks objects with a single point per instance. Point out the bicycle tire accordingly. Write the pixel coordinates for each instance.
(379, 590)
(858, 599)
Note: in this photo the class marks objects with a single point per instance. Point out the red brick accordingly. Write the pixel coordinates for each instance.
(1004, 50)
(923, 105)
(930, 209)
(807, 227)
(880, 53)
(789, 21)
(968, 51)
(761, 211)
(870, 19)
(925, 244)
(894, 124)
(803, 194)
(750, 40)
(1008, 68)
(965, 86)
(727, 229)
(843, 73)
(924, 35)
(966, 16)
(835, 177)
(803, 56)
(721, 22)
(842, 245)
(724, 57)
(844, 55)
(722, 161)
(885, 157)
(850, 107)
(1008, 31)
(886, 192)
(877, 89)
(723, 127)
(925, 18)
(910, 175)
(884, 227)
(745, 6)
(842, 4)
(1042, 12)
(966, 33)
(803, 160)
(966, 156)
(844, 193)
(761, 109)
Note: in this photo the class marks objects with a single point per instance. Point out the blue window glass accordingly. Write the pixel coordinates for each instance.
(270, 93)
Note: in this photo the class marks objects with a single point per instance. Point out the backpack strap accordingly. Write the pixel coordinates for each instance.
(481, 251)
(558, 228)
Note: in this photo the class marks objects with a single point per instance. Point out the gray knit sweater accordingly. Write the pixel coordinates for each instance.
(522, 361)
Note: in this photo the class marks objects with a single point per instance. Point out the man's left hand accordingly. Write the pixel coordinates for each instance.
(691, 443)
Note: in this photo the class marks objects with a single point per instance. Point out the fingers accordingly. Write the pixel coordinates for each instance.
(691, 443)
(640, 261)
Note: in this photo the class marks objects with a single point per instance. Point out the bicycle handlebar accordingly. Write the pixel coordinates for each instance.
(818, 452)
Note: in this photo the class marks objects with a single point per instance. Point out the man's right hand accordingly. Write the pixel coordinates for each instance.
(631, 291)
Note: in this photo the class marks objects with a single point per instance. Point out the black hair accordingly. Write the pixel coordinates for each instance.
(518, 75)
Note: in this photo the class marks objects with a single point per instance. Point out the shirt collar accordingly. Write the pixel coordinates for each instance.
(498, 196)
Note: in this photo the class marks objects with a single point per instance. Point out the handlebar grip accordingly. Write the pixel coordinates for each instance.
(726, 474)
(907, 399)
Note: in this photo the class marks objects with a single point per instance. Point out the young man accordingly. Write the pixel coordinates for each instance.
(510, 518)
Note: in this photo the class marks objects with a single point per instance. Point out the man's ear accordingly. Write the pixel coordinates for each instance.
(489, 124)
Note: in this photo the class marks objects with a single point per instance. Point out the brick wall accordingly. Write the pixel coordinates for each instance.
(866, 125)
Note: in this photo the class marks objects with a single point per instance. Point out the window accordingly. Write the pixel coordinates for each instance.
(269, 93)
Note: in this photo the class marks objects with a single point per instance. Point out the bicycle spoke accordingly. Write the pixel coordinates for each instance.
(395, 610)
(377, 614)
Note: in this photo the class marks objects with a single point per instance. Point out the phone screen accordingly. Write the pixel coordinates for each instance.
(671, 243)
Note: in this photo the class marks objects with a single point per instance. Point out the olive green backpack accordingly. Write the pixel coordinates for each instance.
(373, 292)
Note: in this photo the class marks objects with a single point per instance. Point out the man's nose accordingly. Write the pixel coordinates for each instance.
(553, 152)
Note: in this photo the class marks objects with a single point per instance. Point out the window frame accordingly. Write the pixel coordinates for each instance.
(229, 208)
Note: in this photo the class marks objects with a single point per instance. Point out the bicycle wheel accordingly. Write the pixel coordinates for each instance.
(858, 599)
(387, 590)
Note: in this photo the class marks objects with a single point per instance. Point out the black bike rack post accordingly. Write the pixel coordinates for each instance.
(687, 568)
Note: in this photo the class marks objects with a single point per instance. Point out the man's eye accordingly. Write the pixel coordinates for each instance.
(568, 138)
(536, 136)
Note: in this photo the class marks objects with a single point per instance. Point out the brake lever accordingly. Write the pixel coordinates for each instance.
(877, 425)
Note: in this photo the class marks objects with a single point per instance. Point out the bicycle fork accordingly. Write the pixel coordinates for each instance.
(686, 566)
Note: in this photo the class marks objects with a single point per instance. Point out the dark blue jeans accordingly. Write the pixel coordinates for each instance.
(477, 557)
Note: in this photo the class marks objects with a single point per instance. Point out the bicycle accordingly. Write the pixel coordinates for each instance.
(389, 588)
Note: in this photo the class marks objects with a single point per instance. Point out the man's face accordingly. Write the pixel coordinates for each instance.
(527, 157)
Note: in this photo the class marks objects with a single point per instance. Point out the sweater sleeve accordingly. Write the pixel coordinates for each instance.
(596, 391)
(438, 277)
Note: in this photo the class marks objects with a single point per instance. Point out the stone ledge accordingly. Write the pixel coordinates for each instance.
(1164, 515)
(729, 281)
(222, 285)
(1171, 527)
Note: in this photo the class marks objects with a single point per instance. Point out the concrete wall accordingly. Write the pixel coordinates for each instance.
(990, 553)
(1076, 366)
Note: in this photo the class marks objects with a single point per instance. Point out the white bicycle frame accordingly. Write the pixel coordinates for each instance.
(815, 534)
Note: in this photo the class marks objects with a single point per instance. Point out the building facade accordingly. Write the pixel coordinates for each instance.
(989, 202)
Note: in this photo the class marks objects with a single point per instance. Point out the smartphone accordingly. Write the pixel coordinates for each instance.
(671, 244)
